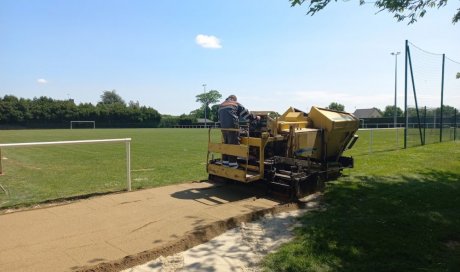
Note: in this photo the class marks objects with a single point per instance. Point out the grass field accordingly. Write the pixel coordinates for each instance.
(159, 157)
(396, 211)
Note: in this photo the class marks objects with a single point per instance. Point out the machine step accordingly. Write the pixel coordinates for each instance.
(279, 184)
(283, 176)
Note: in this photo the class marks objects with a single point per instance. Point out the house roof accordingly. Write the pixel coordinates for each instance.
(367, 113)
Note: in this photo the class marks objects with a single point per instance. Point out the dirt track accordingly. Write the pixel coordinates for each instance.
(118, 231)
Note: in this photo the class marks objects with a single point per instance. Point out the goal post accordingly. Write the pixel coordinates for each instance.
(127, 142)
(83, 122)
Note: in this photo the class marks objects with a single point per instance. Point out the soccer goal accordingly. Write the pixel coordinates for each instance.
(126, 141)
(82, 124)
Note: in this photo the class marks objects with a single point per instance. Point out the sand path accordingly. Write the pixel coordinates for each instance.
(119, 231)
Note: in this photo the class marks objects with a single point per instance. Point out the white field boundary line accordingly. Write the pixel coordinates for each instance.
(127, 142)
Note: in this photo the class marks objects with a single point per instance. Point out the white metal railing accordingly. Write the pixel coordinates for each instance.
(127, 142)
(402, 125)
(196, 126)
(371, 135)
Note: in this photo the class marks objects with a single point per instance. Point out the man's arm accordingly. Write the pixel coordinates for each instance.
(245, 114)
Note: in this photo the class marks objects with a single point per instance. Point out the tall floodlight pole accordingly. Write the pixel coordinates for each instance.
(396, 85)
(205, 105)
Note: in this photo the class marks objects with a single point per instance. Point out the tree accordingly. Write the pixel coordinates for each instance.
(447, 111)
(214, 113)
(134, 105)
(336, 106)
(198, 113)
(208, 98)
(111, 97)
(9, 112)
(186, 120)
(402, 10)
(458, 75)
(168, 121)
(390, 111)
(45, 112)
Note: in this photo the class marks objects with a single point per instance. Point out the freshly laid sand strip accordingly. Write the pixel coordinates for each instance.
(239, 249)
(118, 231)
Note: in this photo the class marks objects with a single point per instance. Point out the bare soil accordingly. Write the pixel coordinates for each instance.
(118, 231)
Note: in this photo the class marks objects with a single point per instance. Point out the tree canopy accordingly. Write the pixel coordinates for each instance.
(390, 111)
(336, 106)
(209, 98)
(111, 97)
(402, 9)
(447, 111)
(45, 112)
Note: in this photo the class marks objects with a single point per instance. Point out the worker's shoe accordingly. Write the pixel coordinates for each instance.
(233, 165)
(225, 163)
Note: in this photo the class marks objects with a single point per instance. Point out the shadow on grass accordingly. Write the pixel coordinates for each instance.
(405, 223)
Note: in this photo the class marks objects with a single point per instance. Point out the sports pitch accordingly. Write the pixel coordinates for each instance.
(158, 157)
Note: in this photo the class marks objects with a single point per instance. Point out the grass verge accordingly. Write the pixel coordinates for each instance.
(159, 157)
(399, 211)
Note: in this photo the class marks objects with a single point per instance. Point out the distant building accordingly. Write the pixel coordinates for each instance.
(202, 121)
(367, 113)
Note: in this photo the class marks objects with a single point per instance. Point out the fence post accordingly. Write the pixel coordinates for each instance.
(128, 164)
(1, 164)
(424, 127)
(370, 140)
(455, 124)
(406, 116)
(442, 97)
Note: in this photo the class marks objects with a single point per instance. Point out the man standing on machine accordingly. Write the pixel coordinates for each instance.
(230, 112)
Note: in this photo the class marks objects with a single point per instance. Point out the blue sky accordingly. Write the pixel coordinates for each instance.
(270, 55)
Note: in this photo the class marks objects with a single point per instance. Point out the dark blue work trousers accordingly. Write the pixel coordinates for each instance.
(230, 137)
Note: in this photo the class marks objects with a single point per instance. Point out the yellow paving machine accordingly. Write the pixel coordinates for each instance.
(292, 153)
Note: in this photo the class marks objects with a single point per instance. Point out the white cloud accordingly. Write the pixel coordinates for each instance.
(208, 41)
(42, 81)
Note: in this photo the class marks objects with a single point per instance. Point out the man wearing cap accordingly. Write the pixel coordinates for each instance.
(229, 113)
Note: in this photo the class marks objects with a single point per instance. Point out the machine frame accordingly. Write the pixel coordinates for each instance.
(271, 154)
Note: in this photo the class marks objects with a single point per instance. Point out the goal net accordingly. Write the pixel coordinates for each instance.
(82, 124)
(36, 172)
(432, 100)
